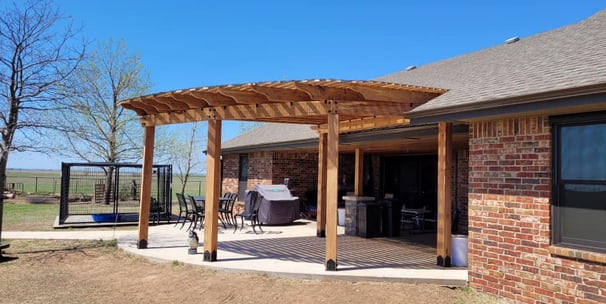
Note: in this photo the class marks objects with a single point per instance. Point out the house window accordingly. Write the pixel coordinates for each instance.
(579, 200)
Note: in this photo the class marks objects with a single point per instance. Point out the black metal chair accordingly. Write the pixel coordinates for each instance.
(185, 213)
(226, 208)
(197, 207)
(251, 211)
(155, 211)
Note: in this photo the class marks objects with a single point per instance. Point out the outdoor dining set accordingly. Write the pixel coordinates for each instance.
(192, 210)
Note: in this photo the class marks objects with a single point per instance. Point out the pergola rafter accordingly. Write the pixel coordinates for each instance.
(280, 101)
(333, 106)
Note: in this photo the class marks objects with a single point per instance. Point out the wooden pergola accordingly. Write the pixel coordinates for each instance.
(333, 106)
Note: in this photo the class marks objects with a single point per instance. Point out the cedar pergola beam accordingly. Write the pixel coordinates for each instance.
(212, 99)
(241, 112)
(393, 95)
(281, 94)
(365, 123)
(317, 92)
(171, 103)
(244, 97)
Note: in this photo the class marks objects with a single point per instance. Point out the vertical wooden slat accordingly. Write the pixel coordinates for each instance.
(213, 171)
(146, 182)
(321, 205)
(359, 173)
(444, 193)
(332, 182)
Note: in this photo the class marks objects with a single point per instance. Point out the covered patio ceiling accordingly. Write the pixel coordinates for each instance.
(360, 104)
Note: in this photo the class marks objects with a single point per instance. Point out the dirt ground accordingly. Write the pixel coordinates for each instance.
(44, 271)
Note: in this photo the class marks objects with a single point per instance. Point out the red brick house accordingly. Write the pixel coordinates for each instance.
(529, 163)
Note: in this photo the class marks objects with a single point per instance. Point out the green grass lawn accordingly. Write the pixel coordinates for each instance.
(28, 217)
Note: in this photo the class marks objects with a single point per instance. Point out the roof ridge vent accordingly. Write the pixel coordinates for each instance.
(411, 67)
(512, 40)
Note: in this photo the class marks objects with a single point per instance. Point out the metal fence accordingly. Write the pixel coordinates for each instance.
(33, 184)
(96, 189)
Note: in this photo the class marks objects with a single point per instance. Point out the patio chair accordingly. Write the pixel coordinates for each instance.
(251, 211)
(185, 213)
(197, 207)
(155, 211)
(226, 208)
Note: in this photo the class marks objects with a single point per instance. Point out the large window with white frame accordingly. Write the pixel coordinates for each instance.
(579, 181)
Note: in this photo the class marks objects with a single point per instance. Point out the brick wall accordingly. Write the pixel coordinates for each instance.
(301, 168)
(509, 219)
(259, 169)
(231, 167)
(461, 162)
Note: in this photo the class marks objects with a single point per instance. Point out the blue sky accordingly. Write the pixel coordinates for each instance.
(188, 43)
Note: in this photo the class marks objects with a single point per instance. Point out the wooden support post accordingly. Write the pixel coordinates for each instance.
(321, 204)
(146, 183)
(213, 183)
(359, 173)
(332, 182)
(444, 193)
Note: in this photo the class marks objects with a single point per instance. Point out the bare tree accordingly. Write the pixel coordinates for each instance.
(95, 127)
(186, 154)
(37, 54)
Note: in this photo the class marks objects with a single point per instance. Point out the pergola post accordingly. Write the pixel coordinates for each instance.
(211, 207)
(359, 173)
(146, 181)
(332, 178)
(321, 204)
(444, 193)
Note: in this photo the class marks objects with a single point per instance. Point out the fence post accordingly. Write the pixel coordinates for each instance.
(36, 185)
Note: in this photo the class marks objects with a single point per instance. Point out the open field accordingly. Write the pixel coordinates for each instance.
(49, 182)
(39, 271)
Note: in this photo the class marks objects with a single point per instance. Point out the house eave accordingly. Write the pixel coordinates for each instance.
(561, 102)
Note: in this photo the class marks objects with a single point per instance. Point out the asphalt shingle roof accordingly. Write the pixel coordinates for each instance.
(568, 57)
(271, 133)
